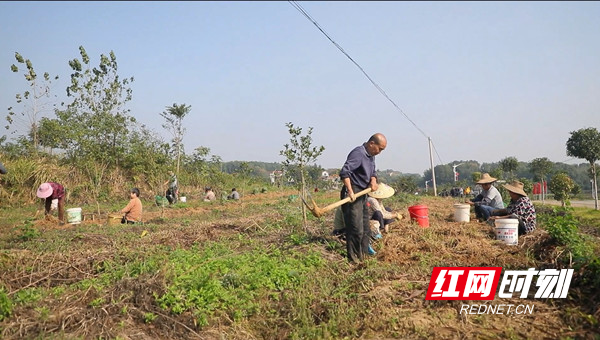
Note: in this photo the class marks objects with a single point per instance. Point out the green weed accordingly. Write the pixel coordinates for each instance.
(149, 317)
(26, 232)
(6, 305)
(215, 279)
(562, 226)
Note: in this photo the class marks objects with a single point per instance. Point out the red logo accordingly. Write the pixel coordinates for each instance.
(463, 283)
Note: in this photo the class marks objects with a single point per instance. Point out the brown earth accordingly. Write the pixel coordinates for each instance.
(399, 296)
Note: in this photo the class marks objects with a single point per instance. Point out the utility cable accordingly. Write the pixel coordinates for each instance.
(297, 6)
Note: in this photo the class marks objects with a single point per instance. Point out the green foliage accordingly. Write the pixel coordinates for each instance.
(540, 167)
(149, 317)
(26, 231)
(215, 279)
(585, 144)
(562, 226)
(173, 116)
(561, 185)
(30, 103)
(405, 183)
(299, 153)
(510, 165)
(6, 305)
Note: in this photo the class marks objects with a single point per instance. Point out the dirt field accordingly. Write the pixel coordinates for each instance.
(395, 299)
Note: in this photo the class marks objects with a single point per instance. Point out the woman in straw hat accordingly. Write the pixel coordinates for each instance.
(488, 200)
(377, 211)
(50, 191)
(520, 207)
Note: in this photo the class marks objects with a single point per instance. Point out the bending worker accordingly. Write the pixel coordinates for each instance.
(50, 191)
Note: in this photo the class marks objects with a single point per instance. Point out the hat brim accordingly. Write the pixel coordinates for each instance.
(384, 191)
(487, 180)
(44, 193)
(514, 189)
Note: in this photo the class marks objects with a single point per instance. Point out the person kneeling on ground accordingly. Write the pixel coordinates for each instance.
(377, 211)
(209, 194)
(133, 210)
(488, 200)
(172, 193)
(234, 195)
(520, 207)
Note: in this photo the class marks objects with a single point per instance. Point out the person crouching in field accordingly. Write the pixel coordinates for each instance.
(50, 191)
(133, 210)
(520, 207)
(378, 212)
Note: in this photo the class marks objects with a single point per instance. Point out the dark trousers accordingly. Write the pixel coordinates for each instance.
(356, 219)
(378, 216)
(172, 195)
(123, 221)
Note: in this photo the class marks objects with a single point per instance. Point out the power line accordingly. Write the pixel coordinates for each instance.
(297, 6)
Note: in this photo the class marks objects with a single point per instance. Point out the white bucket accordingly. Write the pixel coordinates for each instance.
(74, 215)
(507, 230)
(462, 212)
(182, 199)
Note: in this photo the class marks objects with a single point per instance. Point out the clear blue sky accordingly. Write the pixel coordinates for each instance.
(484, 80)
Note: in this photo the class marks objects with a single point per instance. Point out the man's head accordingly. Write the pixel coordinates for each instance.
(135, 191)
(376, 144)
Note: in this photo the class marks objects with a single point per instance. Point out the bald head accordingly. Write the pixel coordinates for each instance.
(378, 138)
(376, 144)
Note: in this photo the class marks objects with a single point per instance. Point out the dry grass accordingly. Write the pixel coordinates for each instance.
(393, 291)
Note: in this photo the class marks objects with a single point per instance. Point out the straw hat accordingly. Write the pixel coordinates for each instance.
(383, 191)
(45, 190)
(486, 178)
(516, 187)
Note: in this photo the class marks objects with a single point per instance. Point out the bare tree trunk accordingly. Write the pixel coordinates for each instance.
(595, 186)
(303, 193)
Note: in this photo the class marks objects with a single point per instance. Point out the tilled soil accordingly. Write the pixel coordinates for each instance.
(399, 296)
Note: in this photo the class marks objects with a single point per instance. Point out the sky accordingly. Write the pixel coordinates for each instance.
(483, 80)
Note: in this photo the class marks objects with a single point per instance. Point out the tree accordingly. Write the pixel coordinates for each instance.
(300, 153)
(562, 187)
(99, 125)
(174, 116)
(540, 167)
(31, 101)
(406, 183)
(585, 143)
(509, 164)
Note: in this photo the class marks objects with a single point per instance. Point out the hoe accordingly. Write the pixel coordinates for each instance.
(318, 212)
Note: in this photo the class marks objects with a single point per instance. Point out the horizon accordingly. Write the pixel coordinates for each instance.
(484, 80)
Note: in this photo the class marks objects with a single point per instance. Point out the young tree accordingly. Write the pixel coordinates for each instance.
(99, 125)
(299, 153)
(174, 116)
(509, 164)
(540, 167)
(31, 102)
(585, 143)
(562, 187)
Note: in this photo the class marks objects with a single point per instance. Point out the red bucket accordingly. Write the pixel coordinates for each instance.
(419, 213)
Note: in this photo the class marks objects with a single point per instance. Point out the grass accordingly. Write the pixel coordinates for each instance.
(244, 271)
